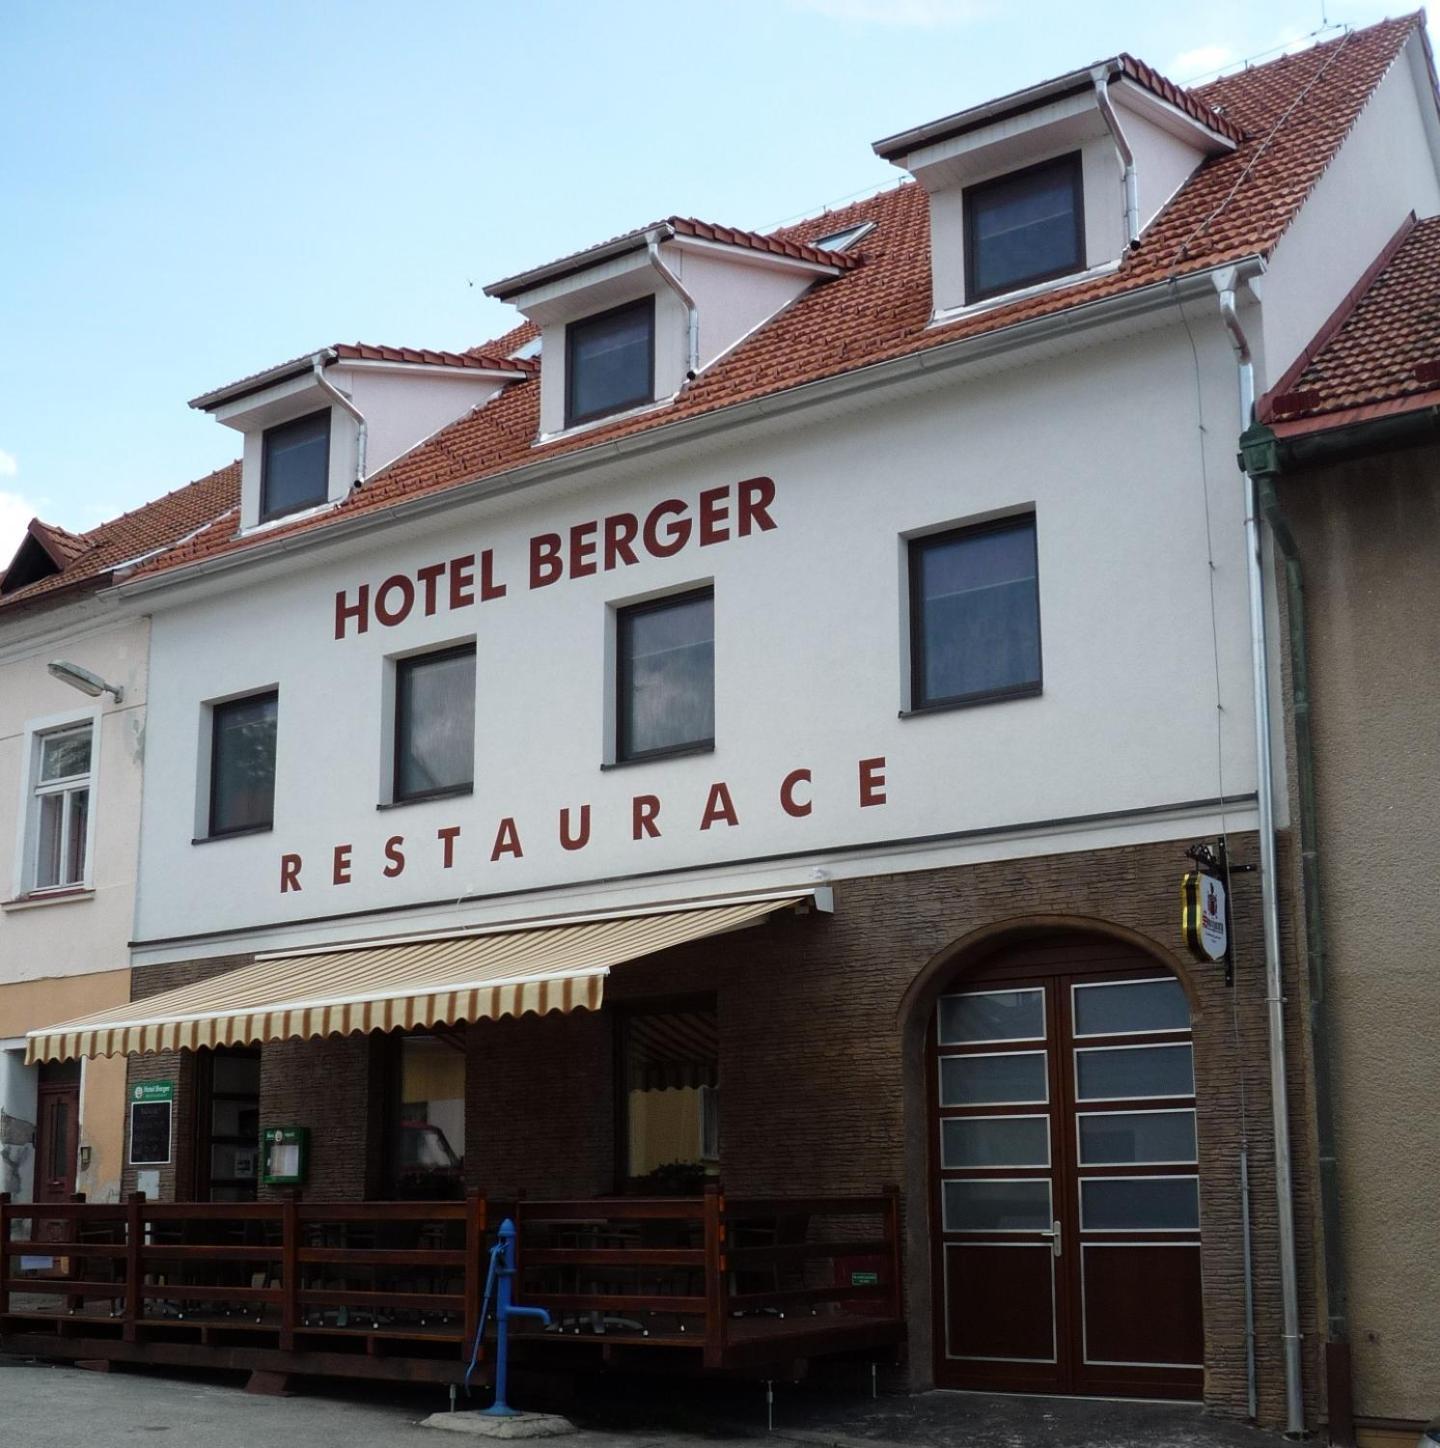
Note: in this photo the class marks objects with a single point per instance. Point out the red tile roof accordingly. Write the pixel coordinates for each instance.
(89, 560)
(988, 113)
(430, 357)
(1189, 102)
(1380, 353)
(776, 243)
(1294, 112)
(475, 357)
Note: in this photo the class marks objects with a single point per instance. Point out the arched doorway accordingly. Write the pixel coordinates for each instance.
(1065, 1217)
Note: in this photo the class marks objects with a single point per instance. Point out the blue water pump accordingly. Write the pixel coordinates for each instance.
(501, 1283)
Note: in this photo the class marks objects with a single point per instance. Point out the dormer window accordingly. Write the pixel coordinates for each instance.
(295, 465)
(610, 361)
(1024, 228)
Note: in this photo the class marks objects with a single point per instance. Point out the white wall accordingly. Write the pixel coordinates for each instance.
(809, 659)
(88, 934)
(1384, 170)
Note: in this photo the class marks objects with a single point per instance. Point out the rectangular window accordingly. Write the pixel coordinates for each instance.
(670, 1066)
(974, 614)
(1024, 228)
(1132, 1073)
(998, 1205)
(665, 676)
(1140, 1204)
(610, 361)
(242, 764)
(426, 1161)
(1008, 1078)
(60, 817)
(295, 465)
(435, 723)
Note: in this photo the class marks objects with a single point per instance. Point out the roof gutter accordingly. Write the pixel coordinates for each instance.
(318, 363)
(1101, 77)
(692, 312)
(1157, 297)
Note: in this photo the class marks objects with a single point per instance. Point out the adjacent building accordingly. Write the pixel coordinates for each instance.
(73, 677)
(1345, 450)
(757, 737)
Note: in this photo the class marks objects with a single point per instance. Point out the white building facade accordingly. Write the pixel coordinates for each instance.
(952, 647)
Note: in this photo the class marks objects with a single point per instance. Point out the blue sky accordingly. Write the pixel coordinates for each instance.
(191, 192)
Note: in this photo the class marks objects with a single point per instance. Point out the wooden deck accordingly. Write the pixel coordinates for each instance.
(393, 1289)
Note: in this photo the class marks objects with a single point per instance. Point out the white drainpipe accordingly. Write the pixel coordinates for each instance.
(652, 250)
(1269, 900)
(318, 363)
(1101, 76)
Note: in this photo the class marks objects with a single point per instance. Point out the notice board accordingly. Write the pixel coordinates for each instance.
(152, 1119)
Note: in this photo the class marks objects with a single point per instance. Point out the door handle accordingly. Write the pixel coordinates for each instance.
(1054, 1236)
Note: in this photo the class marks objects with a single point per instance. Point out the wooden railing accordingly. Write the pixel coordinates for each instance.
(709, 1269)
(403, 1269)
(709, 1273)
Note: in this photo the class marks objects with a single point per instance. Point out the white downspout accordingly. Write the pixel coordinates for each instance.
(1101, 77)
(652, 250)
(1269, 898)
(318, 363)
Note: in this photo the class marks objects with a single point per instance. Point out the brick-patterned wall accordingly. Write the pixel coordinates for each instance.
(176, 1179)
(822, 1042)
(539, 1106)
(333, 1087)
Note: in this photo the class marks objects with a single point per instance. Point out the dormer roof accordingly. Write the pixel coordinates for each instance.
(1076, 82)
(1294, 112)
(773, 244)
(362, 352)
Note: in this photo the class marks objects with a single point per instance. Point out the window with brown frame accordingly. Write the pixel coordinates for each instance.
(974, 614)
(242, 764)
(665, 676)
(610, 361)
(295, 465)
(1023, 228)
(435, 724)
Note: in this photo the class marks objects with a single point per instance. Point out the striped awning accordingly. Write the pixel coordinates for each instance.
(401, 985)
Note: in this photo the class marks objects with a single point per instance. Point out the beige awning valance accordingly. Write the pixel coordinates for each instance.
(400, 985)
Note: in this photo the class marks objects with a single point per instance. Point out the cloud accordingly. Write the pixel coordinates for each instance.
(1204, 59)
(912, 14)
(8, 466)
(15, 513)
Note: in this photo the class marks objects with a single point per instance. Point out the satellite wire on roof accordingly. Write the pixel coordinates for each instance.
(834, 204)
(1260, 150)
(1245, 62)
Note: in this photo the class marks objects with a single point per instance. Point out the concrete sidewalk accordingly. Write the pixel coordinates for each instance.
(60, 1407)
(44, 1406)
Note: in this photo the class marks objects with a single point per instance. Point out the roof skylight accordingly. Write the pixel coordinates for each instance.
(841, 240)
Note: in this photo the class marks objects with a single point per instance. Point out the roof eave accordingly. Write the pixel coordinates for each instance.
(281, 372)
(941, 355)
(580, 261)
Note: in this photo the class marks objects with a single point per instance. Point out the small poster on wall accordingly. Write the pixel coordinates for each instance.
(152, 1108)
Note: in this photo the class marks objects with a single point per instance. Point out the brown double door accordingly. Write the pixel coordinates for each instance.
(1066, 1214)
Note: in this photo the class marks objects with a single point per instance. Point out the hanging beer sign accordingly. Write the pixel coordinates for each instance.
(1202, 916)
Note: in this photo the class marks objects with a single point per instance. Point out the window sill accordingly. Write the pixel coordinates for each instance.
(233, 835)
(945, 706)
(967, 310)
(658, 756)
(579, 429)
(459, 792)
(66, 896)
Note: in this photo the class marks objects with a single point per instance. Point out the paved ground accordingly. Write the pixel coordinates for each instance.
(59, 1407)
